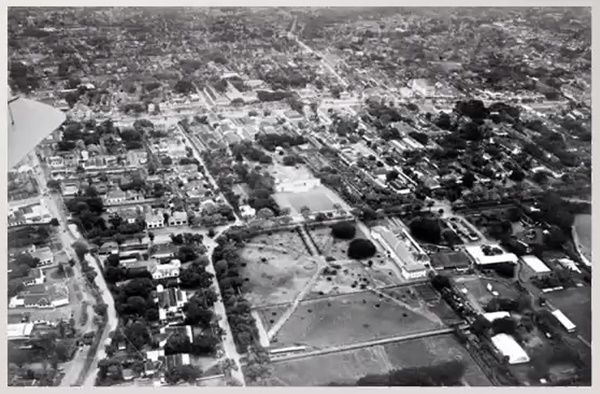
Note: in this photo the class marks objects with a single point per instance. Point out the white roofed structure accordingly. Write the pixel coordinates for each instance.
(509, 347)
(490, 254)
(564, 320)
(535, 264)
(491, 316)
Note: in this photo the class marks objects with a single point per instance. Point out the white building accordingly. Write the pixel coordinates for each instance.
(247, 211)
(491, 316)
(535, 264)
(410, 266)
(155, 220)
(19, 331)
(422, 87)
(163, 271)
(564, 320)
(507, 345)
(178, 218)
(490, 254)
(45, 256)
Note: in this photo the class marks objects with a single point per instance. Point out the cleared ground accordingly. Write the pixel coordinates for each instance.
(346, 367)
(349, 319)
(275, 273)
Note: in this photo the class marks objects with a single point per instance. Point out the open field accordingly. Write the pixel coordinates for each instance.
(349, 319)
(288, 241)
(346, 367)
(274, 274)
(353, 276)
(317, 199)
(575, 303)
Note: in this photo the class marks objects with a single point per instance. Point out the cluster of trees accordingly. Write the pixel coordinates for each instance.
(228, 268)
(247, 150)
(521, 304)
(266, 96)
(361, 248)
(270, 141)
(19, 269)
(195, 275)
(87, 209)
(28, 235)
(558, 277)
(184, 86)
(292, 160)
(343, 126)
(202, 345)
(448, 373)
(135, 300)
(22, 77)
(426, 228)
(183, 373)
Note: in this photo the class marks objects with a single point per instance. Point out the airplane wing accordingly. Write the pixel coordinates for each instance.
(29, 122)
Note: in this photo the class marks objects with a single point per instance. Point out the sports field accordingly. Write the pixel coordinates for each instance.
(318, 199)
(348, 366)
(351, 318)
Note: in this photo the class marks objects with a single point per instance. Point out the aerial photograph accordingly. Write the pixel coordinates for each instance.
(299, 196)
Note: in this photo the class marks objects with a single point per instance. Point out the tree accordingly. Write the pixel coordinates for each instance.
(426, 229)
(361, 248)
(468, 179)
(54, 222)
(151, 236)
(440, 282)
(343, 230)
(504, 325)
(187, 373)
(81, 249)
(137, 333)
(392, 175)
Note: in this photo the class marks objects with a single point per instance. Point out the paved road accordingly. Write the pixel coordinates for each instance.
(111, 324)
(68, 234)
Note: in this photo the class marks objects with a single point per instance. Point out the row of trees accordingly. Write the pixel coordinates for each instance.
(228, 268)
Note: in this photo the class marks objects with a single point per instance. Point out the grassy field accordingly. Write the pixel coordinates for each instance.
(353, 276)
(575, 303)
(346, 367)
(351, 318)
(274, 275)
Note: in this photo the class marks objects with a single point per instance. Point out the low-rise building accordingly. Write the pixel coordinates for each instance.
(178, 218)
(164, 271)
(155, 220)
(507, 345)
(398, 250)
(490, 254)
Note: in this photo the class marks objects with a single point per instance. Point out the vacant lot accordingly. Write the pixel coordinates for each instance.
(318, 199)
(575, 303)
(273, 274)
(347, 367)
(351, 318)
(288, 241)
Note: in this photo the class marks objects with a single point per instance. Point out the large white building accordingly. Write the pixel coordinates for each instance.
(490, 254)
(509, 347)
(412, 266)
(535, 264)
(297, 186)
